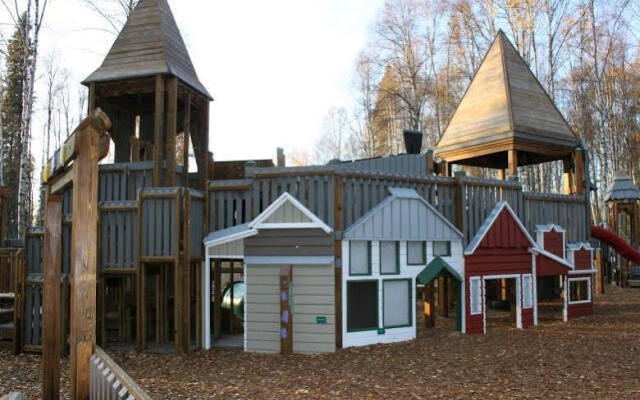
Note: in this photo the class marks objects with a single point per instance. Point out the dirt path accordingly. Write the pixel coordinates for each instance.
(597, 357)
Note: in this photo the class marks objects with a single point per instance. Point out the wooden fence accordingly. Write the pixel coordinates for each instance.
(110, 382)
(465, 201)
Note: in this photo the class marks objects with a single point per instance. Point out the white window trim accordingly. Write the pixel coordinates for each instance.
(479, 280)
(588, 280)
(529, 288)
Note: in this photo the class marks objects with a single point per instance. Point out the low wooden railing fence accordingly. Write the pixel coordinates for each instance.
(110, 382)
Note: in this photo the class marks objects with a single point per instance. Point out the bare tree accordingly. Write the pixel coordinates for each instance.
(114, 12)
(332, 145)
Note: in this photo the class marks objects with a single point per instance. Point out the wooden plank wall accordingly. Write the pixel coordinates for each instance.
(118, 234)
(236, 202)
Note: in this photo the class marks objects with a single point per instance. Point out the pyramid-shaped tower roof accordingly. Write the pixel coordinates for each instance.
(623, 189)
(506, 107)
(149, 44)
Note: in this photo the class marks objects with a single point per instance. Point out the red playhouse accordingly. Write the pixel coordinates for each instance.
(500, 265)
(578, 298)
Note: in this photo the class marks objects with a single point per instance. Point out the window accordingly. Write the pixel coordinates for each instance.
(416, 253)
(389, 263)
(362, 305)
(579, 290)
(359, 258)
(442, 249)
(476, 295)
(527, 291)
(397, 303)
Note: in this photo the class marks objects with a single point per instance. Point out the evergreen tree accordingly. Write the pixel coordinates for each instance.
(11, 118)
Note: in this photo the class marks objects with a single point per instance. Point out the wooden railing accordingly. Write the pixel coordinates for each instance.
(110, 382)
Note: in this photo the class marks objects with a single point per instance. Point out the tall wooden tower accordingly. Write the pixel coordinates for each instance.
(148, 86)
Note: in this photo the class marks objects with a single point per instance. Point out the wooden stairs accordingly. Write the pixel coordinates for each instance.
(8, 332)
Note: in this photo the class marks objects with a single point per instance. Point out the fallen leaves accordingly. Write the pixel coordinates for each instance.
(592, 358)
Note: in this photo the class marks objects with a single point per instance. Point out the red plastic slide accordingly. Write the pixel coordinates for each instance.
(618, 243)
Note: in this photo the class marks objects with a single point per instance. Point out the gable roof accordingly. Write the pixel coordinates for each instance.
(288, 212)
(623, 188)
(403, 215)
(436, 268)
(149, 44)
(505, 101)
(488, 224)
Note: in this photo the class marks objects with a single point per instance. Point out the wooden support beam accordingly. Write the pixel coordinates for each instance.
(172, 129)
(337, 227)
(231, 283)
(52, 262)
(599, 289)
(512, 156)
(286, 317)
(186, 274)
(84, 239)
(460, 175)
(501, 175)
(187, 133)
(205, 148)
(139, 283)
(443, 297)
(217, 295)
(567, 184)
(429, 305)
(158, 129)
(579, 178)
(93, 101)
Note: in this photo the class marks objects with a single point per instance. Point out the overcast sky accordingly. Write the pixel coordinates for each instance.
(273, 67)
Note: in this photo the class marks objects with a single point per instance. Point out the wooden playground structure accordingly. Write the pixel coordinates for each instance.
(121, 259)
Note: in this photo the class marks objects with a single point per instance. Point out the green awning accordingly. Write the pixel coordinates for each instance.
(436, 268)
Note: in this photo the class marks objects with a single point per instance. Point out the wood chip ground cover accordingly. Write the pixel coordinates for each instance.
(597, 357)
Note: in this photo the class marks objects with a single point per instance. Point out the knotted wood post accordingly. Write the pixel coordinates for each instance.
(76, 165)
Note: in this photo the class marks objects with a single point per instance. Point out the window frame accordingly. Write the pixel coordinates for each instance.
(529, 290)
(377, 282)
(397, 257)
(424, 253)
(409, 282)
(433, 248)
(369, 268)
(589, 298)
(479, 280)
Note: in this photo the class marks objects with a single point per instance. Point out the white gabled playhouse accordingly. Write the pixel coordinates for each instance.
(287, 262)
(401, 242)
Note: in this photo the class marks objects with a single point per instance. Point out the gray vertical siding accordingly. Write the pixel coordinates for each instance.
(290, 242)
(313, 296)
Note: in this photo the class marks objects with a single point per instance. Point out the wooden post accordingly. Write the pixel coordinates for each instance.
(158, 129)
(217, 294)
(172, 129)
(599, 273)
(187, 132)
(513, 162)
(429, 161)
(139, 286)
(205, 147)
(501, 175)
(579, 178)
(567, 183)
(231, 283)
(503, 289)
(429, 302)
(286, 318)
(460, 199)
(337, 227)
(52, 262)
(443, 301)
(92, 97)
(186, 273)
(84, 240)
(178, 295)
